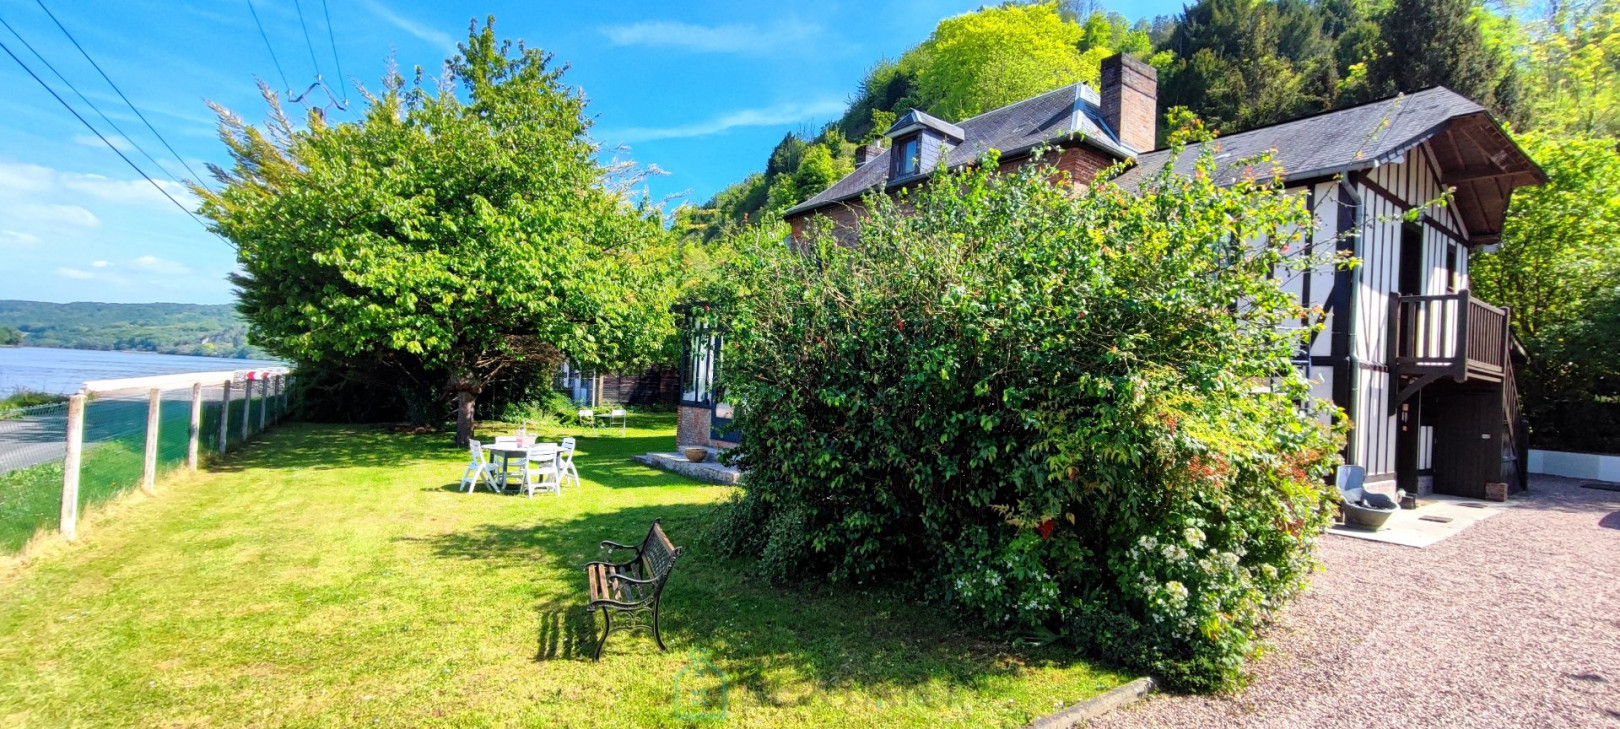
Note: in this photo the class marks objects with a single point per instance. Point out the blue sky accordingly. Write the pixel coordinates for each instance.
(702, 89)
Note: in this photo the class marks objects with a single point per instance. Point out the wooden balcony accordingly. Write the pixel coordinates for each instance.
(1451, 335)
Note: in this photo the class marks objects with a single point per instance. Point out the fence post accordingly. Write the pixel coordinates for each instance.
(247, 405)
(264, 400)
(154, 412)
(225, 417)
(196, 426)
(281, 382)
(70, 467)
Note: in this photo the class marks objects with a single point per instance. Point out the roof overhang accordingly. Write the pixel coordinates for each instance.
(1484, 165)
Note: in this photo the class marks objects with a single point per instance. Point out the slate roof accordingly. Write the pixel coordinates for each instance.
(916, 117)
(1013, 129)
(1324, 144)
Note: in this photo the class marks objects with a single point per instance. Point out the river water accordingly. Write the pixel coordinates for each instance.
(63, 371)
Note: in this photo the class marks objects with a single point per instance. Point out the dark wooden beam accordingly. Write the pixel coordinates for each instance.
(1479, 174)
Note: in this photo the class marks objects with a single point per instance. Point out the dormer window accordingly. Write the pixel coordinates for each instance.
(921, 142)
(908, 157)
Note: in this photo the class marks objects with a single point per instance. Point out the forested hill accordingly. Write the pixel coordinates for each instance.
(201, 329)
(1236, 64)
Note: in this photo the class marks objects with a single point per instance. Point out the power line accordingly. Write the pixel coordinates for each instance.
(268, 47)
(98, 134)
(132, 107)
(300, 8)
(332, 38)
(86, 99)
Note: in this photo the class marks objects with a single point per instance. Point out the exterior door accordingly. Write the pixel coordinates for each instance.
(1408, 415)
(1467, 441)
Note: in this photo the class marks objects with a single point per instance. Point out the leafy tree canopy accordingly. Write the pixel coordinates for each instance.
(972, 63)
(447, 238)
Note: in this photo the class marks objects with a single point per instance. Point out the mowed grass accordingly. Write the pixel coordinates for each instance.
(335, 576)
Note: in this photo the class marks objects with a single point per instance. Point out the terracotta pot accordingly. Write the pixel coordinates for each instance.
(695, 454)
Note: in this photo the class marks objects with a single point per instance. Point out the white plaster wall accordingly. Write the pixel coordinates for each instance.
(1576, 465)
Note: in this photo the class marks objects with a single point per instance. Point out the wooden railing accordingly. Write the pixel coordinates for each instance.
(1450, 334)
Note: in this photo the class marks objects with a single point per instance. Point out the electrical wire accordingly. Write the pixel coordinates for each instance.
(332, 38)
(99, 135)
(86, 100)
(311, 46)
(268, 47)
(196, 177)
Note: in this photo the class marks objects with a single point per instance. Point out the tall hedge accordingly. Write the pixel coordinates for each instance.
(1065, 411)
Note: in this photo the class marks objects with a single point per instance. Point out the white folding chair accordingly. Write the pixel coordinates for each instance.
(477, 469)
(541, 464)
(587, 419)
(618, 417)
(506, 440)
(565, 461)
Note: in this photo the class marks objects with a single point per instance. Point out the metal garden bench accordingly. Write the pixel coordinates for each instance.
(631, 589)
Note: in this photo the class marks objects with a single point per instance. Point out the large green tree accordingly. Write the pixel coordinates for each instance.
(450, 236)
(1571, 57)
(994, 57)
(1440, 43)
(1558, 267)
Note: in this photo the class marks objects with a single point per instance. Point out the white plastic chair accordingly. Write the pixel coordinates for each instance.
(587, 419)
(478, 469)
(565, 461)
(541, 463)
(506, 440)
(619, 417)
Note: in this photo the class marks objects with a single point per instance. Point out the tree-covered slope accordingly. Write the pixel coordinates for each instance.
(212, 330)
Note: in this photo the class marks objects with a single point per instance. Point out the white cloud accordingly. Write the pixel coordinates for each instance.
(75, 273)
(129, 191)
(51, 215)
(99, 264)
(770, 116)
(436, 37)
(16, 238)
(90, 140)
(23, 178)
(161, 266)
(730, 38)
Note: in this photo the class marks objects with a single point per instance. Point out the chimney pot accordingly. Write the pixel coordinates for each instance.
(1130, 101)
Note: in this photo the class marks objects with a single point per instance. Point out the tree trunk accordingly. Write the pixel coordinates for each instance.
(465, 400)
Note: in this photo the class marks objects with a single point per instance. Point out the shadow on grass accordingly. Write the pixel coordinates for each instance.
(834, 636)
(300, 446)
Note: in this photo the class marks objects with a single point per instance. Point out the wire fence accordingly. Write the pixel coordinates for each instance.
(130, 435)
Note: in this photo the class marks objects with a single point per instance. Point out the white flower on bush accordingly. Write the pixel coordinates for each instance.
(1194, 537)
(1147, 542)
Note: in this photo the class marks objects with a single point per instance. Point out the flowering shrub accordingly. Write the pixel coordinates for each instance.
(1066, 411)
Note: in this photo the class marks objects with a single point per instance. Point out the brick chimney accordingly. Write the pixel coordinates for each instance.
(1130, 100)
(867, 152)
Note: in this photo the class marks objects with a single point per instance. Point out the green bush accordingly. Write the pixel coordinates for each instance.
(1067, 411)
(552, 408)
(22, 398)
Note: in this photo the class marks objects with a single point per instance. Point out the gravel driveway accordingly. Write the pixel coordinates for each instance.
(1512, 623)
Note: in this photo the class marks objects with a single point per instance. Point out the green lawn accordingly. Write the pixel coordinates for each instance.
(334, 576)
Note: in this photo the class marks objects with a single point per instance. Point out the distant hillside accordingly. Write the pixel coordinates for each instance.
(212, 330)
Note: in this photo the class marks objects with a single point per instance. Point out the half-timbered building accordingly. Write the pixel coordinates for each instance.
(1410, 186)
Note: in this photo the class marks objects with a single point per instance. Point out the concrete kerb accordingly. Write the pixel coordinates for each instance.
(1095, 706)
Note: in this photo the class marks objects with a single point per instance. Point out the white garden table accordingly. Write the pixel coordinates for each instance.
(501, 454)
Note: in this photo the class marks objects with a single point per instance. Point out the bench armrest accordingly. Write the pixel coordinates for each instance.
(616, 545)
(631, 580)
